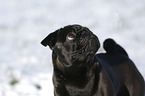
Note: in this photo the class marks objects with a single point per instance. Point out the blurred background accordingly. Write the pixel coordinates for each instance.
(26, 66)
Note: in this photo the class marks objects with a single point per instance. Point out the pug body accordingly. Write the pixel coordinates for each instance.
(79, 71)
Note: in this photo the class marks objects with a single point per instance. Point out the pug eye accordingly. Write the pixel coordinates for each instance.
(71, 36)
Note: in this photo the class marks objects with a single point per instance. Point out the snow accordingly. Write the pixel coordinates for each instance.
(26, 66)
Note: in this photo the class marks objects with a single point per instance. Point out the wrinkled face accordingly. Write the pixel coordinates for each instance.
(72, 44)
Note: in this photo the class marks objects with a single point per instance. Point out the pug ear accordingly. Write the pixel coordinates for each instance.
(50, 40)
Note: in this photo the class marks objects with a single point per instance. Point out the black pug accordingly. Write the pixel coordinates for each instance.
(79, 71)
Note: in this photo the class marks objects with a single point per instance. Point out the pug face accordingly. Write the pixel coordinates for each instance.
(72, 44)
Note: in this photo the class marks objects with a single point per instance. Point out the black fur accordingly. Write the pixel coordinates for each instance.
(79, 71)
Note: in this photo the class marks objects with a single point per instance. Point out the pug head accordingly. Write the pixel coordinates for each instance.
(72, 44)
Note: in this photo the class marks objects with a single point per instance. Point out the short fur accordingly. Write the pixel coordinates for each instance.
(79, 71)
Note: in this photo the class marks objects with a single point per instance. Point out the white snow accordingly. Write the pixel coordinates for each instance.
(24, 23)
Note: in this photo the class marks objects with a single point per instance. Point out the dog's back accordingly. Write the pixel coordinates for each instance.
(126, 78)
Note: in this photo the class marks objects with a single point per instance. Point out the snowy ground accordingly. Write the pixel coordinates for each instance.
(26, 68)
